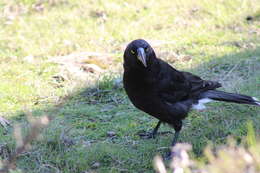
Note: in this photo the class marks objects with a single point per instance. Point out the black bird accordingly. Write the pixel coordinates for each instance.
(165, 93)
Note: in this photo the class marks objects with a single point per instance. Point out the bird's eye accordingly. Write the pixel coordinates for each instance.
(132, 52)
(147, 49)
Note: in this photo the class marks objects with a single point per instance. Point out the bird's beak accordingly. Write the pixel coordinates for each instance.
(141, 56)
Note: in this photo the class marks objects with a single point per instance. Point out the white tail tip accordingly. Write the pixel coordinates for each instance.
(256, 101)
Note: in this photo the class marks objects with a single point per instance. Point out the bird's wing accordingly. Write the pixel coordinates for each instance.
(177, 86)
(172, 84)
(199, 85)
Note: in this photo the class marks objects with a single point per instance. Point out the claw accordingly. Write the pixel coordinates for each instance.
(151, 134)
(168, 156)
(146, 135)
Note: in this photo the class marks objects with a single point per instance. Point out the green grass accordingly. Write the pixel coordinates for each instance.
(214, 35)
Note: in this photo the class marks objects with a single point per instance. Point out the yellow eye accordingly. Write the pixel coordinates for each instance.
(132, 52)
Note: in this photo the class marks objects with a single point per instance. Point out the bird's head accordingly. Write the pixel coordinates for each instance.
(139, 53)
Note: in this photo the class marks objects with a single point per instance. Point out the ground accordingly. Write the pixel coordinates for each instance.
(64, 59)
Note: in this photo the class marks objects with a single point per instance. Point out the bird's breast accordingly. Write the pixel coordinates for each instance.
(145, 99)
(142, 90)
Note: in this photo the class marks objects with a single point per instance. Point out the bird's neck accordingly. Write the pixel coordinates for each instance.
(140, 73)
(152, 65)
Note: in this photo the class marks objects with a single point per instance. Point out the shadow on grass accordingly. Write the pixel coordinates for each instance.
(97, 128)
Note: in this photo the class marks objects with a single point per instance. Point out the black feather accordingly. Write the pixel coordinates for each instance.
(165, 93)
(229, 97)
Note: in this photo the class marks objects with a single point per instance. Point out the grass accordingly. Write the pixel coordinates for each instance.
(210, 38)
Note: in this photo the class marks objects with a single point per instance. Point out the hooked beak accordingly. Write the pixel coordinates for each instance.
(141, 56)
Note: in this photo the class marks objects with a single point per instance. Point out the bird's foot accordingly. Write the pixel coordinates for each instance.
(152, 135)
(147, 135)
(4, 122)
(168, 156)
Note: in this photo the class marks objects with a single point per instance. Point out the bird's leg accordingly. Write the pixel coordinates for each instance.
(155, 130)
(153, 133)
(169, 155)
(175, 138)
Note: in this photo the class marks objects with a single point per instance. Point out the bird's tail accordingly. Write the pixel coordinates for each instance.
(230, 97)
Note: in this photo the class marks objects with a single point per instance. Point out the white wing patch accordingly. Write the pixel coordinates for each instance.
(200, 105)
